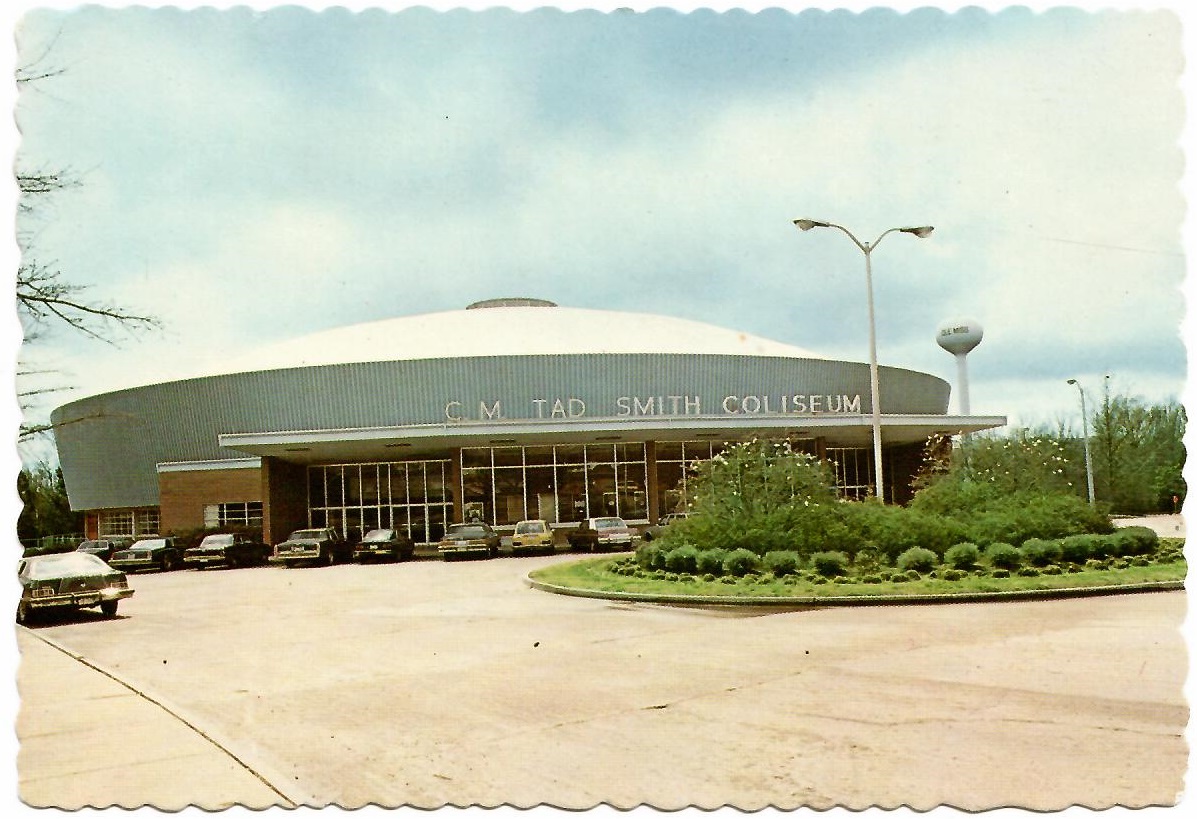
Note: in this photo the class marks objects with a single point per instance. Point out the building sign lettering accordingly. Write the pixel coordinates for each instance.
(642, 406)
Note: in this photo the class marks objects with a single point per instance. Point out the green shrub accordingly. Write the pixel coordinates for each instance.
(999, 573)
(646, 554)
(871, 578)
(740, 562)
(1077, 548)
(1003, 556)
(913, 574)
(892, 530)
(868, 559)
(1028, 571)
(1053, 569)
(829, 564)
(683, 559)
(954, 574)
(1142, 540)
(917, 559)
(963, 556)
(708, 577)
(781, 564)
(710, 561)
(1040, 552)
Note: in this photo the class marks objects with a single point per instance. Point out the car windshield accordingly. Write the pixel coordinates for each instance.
(307, 534)
(468, 530)
(377, 534)
(90, 544)
(217, 540)
(529, 527)
(65, 564)
(149, 544)
(609, 523)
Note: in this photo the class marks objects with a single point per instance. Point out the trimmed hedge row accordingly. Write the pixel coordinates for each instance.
(1035, 556)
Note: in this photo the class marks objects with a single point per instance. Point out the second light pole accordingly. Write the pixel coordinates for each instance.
(874, 386)
(1085, 432)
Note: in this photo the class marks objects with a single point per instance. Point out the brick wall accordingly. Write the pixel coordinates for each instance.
(285, 501)
(183, 495)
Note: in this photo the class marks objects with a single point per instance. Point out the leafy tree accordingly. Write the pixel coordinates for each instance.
(1139, 454)
(46, 510)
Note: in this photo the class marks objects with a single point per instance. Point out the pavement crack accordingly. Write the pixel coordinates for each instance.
(168, 710)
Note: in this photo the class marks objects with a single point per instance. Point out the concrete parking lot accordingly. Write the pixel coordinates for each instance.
(429, 684)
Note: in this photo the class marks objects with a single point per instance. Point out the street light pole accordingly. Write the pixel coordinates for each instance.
(874, 381)
(1085, 432)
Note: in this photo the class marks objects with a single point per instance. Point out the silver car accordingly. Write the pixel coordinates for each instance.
(74, 580)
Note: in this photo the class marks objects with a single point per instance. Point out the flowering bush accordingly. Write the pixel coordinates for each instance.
(762, 496)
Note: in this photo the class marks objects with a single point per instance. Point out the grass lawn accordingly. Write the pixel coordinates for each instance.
(595, 574)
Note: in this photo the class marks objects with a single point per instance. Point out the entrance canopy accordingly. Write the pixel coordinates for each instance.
(399, 442)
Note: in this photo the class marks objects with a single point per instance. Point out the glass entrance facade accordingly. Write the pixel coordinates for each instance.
(414, 497)
(502, 485)
(561, 483)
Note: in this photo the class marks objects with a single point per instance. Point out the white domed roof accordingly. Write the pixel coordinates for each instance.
(510, 327)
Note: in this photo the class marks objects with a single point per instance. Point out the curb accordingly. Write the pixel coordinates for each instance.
(855, 600)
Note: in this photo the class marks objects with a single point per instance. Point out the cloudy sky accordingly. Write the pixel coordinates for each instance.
(249, 176)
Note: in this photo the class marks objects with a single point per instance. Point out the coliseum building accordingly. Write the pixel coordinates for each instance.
(509, 409)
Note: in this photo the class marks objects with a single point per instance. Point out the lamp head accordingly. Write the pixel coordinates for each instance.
(1072, 381)
(807, 224)
(921, 232)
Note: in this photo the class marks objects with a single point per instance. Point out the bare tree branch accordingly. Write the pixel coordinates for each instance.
(42, 295)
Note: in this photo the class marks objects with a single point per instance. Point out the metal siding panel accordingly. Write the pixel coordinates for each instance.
(109, 445)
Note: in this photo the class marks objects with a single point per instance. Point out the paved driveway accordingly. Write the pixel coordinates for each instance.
(429, 684)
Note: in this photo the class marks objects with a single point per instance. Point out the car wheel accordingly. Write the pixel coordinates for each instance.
(23, 613)
(108, 607)
(168, 562)
(331, 558)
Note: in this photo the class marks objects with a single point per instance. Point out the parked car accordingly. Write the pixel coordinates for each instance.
(322, 547)
(151, 553)
(104, 548)
(224, 549)
(654, 531)
(383, 544)
(71, 580)
(532, 536)
(466, 539)
(600, 535)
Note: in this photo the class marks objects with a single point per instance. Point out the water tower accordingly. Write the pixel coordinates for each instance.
(959, 337)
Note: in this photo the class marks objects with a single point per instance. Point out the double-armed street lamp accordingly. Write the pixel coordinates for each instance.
(874, 388)
(1085, 432)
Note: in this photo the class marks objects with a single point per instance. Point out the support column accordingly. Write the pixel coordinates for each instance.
(650, 481)
(284, 499)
